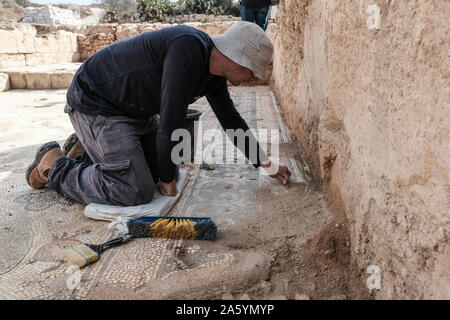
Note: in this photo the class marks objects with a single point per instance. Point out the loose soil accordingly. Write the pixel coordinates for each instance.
(309, 247)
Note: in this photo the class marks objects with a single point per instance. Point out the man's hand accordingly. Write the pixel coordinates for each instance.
(281, 173)
(167, 189)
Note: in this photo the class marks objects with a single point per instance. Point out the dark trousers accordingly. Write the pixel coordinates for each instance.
(258, 16)
(122, 168)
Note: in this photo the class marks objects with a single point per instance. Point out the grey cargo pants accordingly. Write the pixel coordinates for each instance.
(123, 153)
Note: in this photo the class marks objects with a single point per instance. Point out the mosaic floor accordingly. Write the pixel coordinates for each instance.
(35, 225)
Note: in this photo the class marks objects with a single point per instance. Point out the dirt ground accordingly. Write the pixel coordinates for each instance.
(307, 245)
(272, 243)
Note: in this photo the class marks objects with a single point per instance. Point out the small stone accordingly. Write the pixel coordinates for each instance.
(299, 296)
(244, 297)
(227, 296)
(4, 82)
(265, 287)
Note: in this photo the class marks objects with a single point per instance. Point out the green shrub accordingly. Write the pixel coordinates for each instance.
(200, 6)
(159, 9)
(156, 9)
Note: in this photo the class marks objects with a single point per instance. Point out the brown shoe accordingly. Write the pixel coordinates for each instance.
(73, 148)
(37, 172)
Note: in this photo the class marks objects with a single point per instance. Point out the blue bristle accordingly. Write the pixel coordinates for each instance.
(206, 230)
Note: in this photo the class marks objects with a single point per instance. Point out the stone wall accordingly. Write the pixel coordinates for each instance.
(40, 56)
(23, 45)
(30, 45)
(99, 36)
(364, 87)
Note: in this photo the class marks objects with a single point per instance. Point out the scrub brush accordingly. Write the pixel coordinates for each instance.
(187, 228)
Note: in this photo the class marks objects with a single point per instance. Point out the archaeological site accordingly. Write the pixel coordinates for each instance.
(356, 101)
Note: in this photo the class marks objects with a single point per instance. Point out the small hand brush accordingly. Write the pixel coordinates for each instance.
(84, 254)
(146, 227)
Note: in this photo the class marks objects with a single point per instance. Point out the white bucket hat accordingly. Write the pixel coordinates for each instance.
(248, 45)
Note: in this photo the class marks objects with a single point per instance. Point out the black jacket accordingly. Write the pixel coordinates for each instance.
(255, 4)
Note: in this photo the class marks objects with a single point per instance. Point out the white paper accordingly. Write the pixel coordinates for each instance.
(159, 206)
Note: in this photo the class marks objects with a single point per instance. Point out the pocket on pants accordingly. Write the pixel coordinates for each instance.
(113, 166)
(120, 183)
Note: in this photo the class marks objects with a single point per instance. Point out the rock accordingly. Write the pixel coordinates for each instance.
(244, 297)
(101, 36)
(299, 296)
(56, 76)
(227, 296)
(266, 287)
(4, 82)
(50, 15)
(311, 286)
(136, 16)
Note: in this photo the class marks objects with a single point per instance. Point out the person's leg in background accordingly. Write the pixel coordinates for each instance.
(262, 17)
(247, 14)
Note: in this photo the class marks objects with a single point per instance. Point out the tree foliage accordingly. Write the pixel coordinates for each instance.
(159, 9)
(156, 9)
(201, 6)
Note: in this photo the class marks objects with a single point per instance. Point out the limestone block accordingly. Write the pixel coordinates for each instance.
(38, 80)
(25, 41)
(35, 59)
(41, 44)
(4, 82)
(65, 57)
(46, 44)
(52, 44)
(8, 41)
(74, 42)
(61, 80)
(25, 28)
(42, 58)
(17, 80)
(64, 41)
(12, 60)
